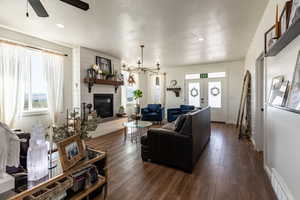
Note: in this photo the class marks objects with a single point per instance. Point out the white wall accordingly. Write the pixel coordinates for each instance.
(282, 139)
(87, 59)
(27, 121)
(234, 71)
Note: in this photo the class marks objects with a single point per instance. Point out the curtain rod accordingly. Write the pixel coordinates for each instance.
(31, 47)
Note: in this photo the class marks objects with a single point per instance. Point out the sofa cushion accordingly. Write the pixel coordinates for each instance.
(179, 122)
(187, 125)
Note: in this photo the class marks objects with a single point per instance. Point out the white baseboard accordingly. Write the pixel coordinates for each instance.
(279, 186)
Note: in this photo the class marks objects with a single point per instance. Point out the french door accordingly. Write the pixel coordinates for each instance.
(208, 92)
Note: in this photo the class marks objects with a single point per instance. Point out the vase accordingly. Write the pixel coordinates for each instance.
(37, 156)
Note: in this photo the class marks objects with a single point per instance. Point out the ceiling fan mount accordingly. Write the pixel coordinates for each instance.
(40, 10)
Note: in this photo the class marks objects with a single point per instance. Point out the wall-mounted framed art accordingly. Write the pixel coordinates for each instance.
(270, 38)
(105, 64)
(294, 94)
(284, 20)
(295, 11)
(278, 91)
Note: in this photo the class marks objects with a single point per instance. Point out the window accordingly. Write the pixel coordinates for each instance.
(209, 75)
(194, 94)
(156, 89)
(192, 76)
(217, 75)
(128, 89)
(36, 86)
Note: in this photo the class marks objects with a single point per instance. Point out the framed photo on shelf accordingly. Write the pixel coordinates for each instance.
(270, 38)
(295, 11)
(71, 151)
(285, 17)
(294, 94)
(105, 64)
(278, 91)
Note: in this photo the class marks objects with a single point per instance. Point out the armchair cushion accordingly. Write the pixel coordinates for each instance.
(154, 107)
(145, 110)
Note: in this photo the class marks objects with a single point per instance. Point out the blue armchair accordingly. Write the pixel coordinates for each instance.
(153, 112)
(173, 113)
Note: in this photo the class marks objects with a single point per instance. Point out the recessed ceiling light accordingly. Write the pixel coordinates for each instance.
(200, 39)
(60, 25)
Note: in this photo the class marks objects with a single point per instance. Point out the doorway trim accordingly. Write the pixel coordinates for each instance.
(260, 108)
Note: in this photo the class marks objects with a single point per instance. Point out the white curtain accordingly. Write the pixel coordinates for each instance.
(54, 74)
(14, 71)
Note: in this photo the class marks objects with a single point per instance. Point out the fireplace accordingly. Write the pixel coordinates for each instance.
(104, 105)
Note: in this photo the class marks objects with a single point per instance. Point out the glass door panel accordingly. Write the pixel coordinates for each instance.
(194, 94)
(215, 94)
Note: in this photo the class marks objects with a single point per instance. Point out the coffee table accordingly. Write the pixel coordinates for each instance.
(136, 129)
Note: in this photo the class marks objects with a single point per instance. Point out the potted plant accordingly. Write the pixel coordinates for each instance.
(137, 94)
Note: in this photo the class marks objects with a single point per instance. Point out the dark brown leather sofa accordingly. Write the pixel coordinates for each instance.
(180, 149)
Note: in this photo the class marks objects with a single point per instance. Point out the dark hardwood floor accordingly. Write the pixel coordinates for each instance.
(228, 169)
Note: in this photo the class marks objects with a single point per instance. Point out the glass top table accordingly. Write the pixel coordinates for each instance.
(53, 172)
(135, 129)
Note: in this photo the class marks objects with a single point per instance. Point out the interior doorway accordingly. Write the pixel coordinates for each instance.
(208, 92)
(260, 103)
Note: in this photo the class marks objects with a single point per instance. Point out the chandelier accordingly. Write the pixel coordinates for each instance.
(140, 67)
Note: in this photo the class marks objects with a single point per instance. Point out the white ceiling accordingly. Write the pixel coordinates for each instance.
(169, 28)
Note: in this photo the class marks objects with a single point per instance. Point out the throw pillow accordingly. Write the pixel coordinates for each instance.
(169, 126)
(179, 122)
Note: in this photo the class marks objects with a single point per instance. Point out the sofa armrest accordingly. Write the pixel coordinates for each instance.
(170, 147)
(170, 110)
(144, 110)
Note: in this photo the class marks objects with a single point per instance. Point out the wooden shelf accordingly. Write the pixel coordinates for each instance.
(285, 39)
(105, 82)
(86, 192)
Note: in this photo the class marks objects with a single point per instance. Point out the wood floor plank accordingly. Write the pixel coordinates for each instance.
(228, 169)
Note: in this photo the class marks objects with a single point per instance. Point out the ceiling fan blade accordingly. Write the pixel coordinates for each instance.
(77, 3)
(38, 8)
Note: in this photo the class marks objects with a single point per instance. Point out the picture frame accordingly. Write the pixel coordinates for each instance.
(278, 91)
(284, 19)
(295, 11)
(294, 94)
(71, 151)
(270, 38)
(104, 64)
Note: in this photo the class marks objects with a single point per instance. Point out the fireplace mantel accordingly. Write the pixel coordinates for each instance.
(91, 81)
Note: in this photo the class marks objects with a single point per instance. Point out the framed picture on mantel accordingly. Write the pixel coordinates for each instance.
(105, 64)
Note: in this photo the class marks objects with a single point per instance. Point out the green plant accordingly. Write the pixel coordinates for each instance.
(137, 94)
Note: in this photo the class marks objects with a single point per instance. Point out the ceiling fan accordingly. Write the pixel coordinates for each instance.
(40, 10)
